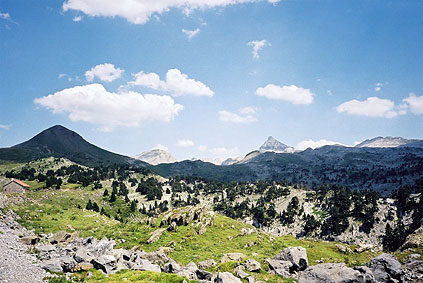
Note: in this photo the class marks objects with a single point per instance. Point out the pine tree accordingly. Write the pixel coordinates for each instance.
(113, 197)
(89, 205)
(95, 207)
(106, 193)
(133, 206)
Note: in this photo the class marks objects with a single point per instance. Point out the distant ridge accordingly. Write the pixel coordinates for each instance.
(59, 141)
(383, 142)
(156, 156)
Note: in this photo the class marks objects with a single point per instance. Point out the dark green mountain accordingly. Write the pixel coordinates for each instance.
(59, 141)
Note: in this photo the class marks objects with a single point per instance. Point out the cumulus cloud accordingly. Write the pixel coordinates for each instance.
(227, 116)
(94, 104)
(291, 93)
(77, 19)
(191, 33)
(415, 103)
(161, 147)
(4, 127)
(314, 144)
(185, 143)
(177, 83)
(105, 72)
(140, 11)
(224, 152)
(372, 107)
(5, 16)
(257, 46)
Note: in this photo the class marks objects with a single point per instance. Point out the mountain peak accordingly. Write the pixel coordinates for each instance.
(274, 145)
(385, 142)
(156, 156)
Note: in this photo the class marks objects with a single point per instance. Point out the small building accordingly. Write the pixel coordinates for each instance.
(15, 186)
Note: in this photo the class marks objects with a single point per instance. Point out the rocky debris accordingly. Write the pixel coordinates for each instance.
(413, 240)
(343, 249)
(61, 237)
(172, 267)
(413, 271)
(386, 268)
(155, 236)
(30, 240)
(413, 257)
(232, 257)
(206, 264)
(296, 255)
(16, 264)
(252, 265)
(335, 273)
(197, 215)
(225, 277)
(247, 231)
(364, 248)
(203, 275)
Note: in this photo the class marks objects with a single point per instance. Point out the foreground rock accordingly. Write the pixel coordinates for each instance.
(335, 273)
(16, 264)
(386, 268)
(225, 277)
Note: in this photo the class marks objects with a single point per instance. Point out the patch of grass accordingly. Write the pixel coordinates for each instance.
(137, 276)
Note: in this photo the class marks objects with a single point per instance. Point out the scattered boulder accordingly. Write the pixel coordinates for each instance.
(203, 275)
(155, 236)
(145, 265)
(30, 240)
(172, 267)
(232, 257)
(239, 271)
(206, 264)
(252, 265)
(225, 277)
(343, 249)
(296, 255)
(334, 273)
(104, 263)
(386, 268)
(280, 267)
(82, 266)
(60, 237)
(52, 265)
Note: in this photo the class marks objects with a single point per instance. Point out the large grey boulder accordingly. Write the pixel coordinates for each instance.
(386, 268)
(252, 265)
(296, 255)
(145, 265)
(203, 275)
(106, 263)
(52, 265)
(172, 267)
(67, 263)
(225, 277)
(280, 267)
(335, 273)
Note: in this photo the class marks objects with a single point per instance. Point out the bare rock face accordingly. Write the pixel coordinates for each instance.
(414, 240)
(296, 255)
(225, 277)
(197, 215)
(155, 236)
(335, 273)
(386, 268)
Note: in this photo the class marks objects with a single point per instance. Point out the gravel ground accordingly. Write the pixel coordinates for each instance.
(16, 265)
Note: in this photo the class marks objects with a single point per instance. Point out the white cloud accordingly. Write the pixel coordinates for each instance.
(292, 93)
(185, 143)
(5, 16)
(378, 87)
(223, 152)
(372, 107)
(257, 46)
(61, 76)
(77, 19)
(231, 117)
(191, 33)
(4, 127)
(140, 11)
(202, 148)
(249, 110)
(161, 147)
(94, 104)
(415, 103)
(105, 72)
(314, 144)
(177, 83)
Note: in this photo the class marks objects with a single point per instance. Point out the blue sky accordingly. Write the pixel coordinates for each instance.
(183, 74)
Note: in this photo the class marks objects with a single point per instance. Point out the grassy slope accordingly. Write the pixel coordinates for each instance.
(49, 211)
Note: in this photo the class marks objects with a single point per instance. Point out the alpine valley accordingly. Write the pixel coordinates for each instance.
(73, 212)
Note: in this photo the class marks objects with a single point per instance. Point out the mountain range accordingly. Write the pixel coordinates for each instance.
(381, 163)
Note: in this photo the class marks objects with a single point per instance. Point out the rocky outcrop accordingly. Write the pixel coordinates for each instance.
(297, 256)
(414, 240)
(252, 265)
(197, 215)
(335, 273)
(206, 264)
(386, 268)
(155, 236)
(232, 257)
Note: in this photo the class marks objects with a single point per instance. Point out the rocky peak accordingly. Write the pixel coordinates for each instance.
(156, 156)
(274, 145)
(385, 142)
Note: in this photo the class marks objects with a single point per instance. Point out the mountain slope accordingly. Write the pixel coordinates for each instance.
(156, 156)
(273, 145)
(382, 142)
(59, 141)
